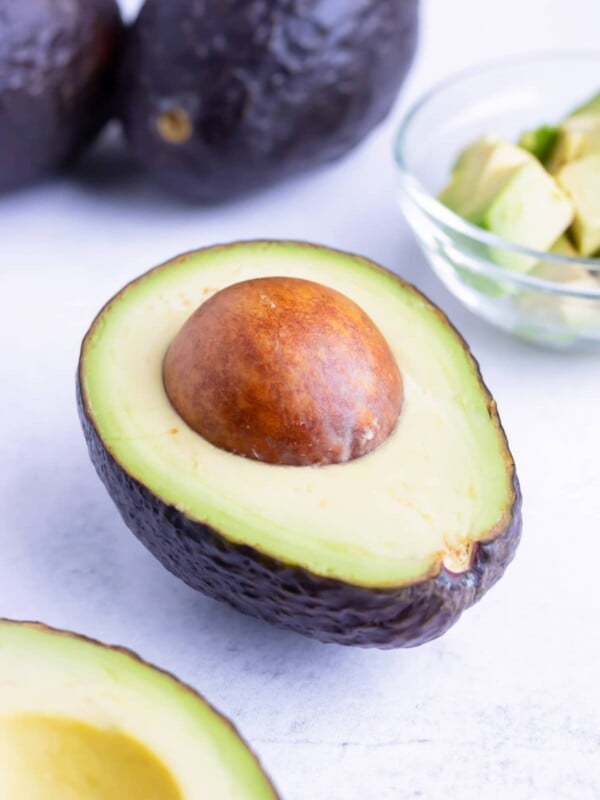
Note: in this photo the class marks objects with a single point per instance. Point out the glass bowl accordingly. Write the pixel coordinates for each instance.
(503, 98)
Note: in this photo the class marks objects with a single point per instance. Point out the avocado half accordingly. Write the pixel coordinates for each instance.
(385, 550)
(79, 719)
(220, 98)
(57, 69)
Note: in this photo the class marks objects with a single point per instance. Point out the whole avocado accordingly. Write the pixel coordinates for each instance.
(220, 97)
(57, 69)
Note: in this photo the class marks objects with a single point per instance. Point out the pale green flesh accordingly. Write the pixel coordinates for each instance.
(531, 211)
(97, 724)
(501, 187)
(540, 142)
(441, 481)
(479, 175)
(577, 313)
(578, 137)
(591, 106)
(581, 180)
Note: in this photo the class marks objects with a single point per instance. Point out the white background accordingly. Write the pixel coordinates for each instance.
(507, 704)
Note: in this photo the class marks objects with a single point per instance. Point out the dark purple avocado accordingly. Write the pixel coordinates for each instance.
(220, 97)
(58, 60)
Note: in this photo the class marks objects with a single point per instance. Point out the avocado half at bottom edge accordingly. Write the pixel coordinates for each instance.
(79, 719)
(385, 550)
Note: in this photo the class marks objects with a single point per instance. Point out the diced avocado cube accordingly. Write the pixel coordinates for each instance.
(576, 313)
(564, 247)
(581, 181)
(560, 271)
(531, 210)
(540, 142)
(592, 106)
(577, 138)
(478, 176)
(582, 312)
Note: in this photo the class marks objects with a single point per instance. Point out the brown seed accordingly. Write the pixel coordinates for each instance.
(285, 371)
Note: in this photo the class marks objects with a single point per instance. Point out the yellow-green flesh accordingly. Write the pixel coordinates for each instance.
(82, 722)
(440, 482)
(581, 180)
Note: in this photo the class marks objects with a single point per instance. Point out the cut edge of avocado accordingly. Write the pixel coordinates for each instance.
(45, 702)
(409, 613)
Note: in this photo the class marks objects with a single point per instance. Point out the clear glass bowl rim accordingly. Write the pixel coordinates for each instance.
(442, 216)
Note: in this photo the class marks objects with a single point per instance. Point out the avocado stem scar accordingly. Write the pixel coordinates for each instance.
(284, 371)
(174, 126)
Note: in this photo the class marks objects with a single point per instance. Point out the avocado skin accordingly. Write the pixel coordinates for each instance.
(272, 87)
(57, 71)
(292, 597)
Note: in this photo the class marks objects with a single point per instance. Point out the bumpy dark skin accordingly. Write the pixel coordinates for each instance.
(57, 69)
(220, 97)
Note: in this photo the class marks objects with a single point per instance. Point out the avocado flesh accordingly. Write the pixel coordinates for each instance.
(441, 482)
(578, 137)
(532, 211)
(591, 106)
(81, 721)
(540, 142)
(560, 271)
(50, 758)
(479, 174)
(581, 181)
(577, 313)
(504, 189)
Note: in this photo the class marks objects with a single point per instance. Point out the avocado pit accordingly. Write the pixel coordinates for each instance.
(285, 371)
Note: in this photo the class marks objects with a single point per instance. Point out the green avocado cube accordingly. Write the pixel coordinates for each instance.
(540, 142)
(560, 271)
(576, 313)
(479, 174)
(531, 210)
(577, 138)
(581, 181)
(592, 106)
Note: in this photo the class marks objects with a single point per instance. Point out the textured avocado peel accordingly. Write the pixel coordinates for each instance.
(293, 596)
(57, 71)
(219, 99)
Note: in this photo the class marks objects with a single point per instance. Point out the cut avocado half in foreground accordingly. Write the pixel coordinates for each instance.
(405, 511)
(83, 721)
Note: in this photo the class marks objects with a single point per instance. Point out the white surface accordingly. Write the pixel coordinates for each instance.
(507, 704)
